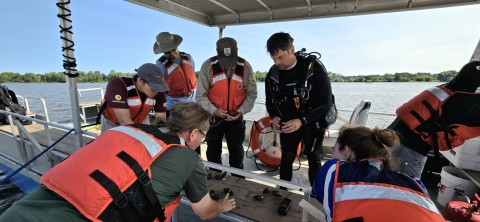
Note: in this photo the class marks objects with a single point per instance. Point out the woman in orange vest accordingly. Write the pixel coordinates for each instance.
(129, 173)
(360, 185)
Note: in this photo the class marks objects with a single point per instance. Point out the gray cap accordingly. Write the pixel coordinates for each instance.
(153, 76)
(227, 52)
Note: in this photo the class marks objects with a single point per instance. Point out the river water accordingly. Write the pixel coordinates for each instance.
(385, 98)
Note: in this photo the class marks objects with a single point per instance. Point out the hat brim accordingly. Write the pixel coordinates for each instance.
(228, 61)
(158, 86)
(177, 41)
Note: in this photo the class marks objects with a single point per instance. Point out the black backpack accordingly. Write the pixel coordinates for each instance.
(9, 102)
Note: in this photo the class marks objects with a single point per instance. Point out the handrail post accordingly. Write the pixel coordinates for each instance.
(67, 43)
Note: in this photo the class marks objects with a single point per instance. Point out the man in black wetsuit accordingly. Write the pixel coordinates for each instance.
(297, 100)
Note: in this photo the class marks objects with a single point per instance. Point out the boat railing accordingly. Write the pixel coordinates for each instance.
(91, 89)
(27, 107)
(45, 124)
(369, 113)
(25, 138)
(346, 111)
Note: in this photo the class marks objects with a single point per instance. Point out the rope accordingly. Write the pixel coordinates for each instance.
(69, 63)
(34, 158)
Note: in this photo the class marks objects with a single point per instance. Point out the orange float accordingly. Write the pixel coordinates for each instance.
(271, 154)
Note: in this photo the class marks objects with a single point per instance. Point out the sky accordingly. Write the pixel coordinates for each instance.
(118, 35)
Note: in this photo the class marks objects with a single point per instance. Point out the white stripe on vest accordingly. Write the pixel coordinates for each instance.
(218, 78)
(150, 102)
(131, 87)
(365, 192)
(134, 102)
(237, 78)
(172, 67)
(150, 144)
(439, 93)
(186, 62)
(325, 191)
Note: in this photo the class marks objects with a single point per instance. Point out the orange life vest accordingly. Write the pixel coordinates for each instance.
(224, 93)
(426, 107)
(98, 174)
(381, 202)
(181, 79)
(138, 110)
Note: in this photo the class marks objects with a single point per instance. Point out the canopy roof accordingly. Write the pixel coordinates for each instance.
(237, 12)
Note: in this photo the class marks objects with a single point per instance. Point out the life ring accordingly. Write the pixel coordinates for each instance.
(268, 155)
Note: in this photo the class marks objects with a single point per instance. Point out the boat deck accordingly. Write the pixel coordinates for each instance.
(245, 190)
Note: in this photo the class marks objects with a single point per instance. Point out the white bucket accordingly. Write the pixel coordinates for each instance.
(454, 185)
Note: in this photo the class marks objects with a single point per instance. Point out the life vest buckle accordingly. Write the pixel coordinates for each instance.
(121, 200)
(144, 179)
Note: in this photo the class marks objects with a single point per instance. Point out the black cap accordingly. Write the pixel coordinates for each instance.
(227, 52)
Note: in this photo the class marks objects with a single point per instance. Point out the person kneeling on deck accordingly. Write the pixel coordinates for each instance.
(440, 118)
(129, 173)
(128, 100)
(359, 184)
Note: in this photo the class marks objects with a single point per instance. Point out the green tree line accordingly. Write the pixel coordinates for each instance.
(52, 77)
(97, 76)
(444, 76)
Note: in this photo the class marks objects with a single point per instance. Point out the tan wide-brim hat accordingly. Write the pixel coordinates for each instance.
(166, 42)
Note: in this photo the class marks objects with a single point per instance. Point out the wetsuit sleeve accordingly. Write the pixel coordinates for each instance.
(320, 98)
(196, 185)
(203, 85)
(116, 94)
(160, 102)
(322, 188)
(250, 90)
(269, 102)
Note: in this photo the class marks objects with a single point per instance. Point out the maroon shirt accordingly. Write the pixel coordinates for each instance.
(117, 87)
